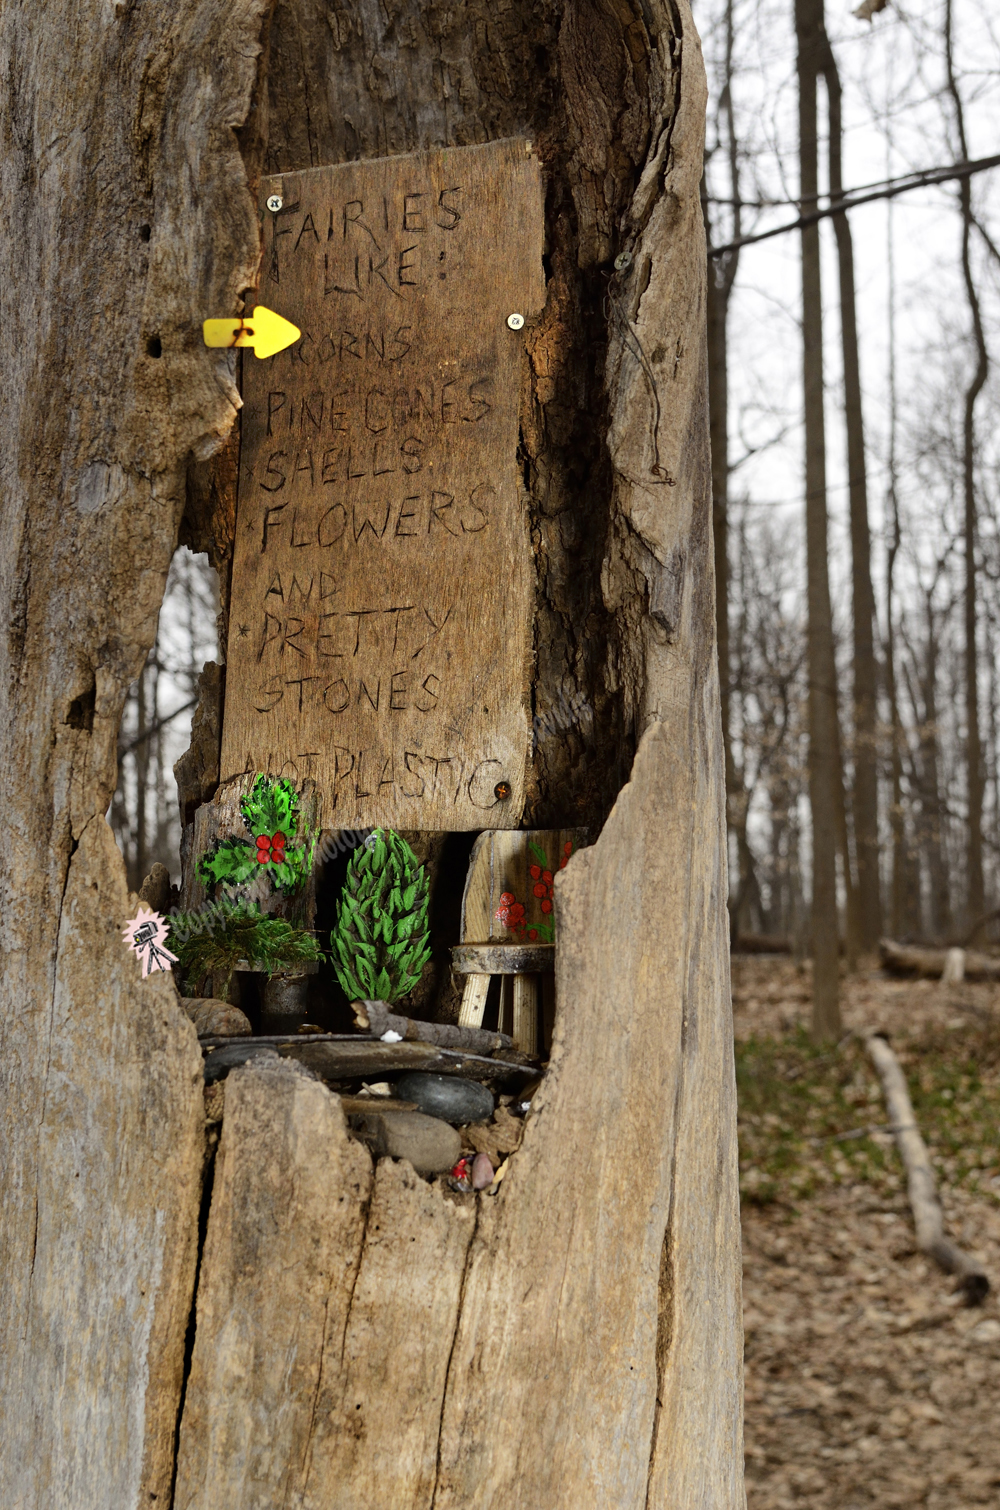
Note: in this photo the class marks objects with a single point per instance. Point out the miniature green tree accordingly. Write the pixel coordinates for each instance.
(380, 942)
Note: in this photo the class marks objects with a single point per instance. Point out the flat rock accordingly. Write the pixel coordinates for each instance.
(432, 1146)
(218, 1062)
(216, 1018)
(448, 1096)
(339, 1058)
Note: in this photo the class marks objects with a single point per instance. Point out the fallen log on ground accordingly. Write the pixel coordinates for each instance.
(761, 943)
(928, 1217)
(920, 960)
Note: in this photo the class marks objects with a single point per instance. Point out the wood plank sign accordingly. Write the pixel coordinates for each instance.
(381, 611)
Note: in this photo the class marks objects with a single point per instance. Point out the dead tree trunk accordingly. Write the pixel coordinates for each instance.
(824, 738)
(864, 804)
(975, 780)
(356, 1336)
(721, 280)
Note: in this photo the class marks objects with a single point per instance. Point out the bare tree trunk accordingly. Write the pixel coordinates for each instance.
(405, 1349)
(864, 806)
(721, 278)
(974, 761)
(823, 729)
(940, 886)
(899, 888)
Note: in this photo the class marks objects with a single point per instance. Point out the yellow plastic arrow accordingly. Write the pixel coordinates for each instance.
(265, 331)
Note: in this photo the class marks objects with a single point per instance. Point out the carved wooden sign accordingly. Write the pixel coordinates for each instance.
(381, 611)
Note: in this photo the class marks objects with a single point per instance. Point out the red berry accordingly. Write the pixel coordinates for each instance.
(506, 897)
(538, 889)
(546, 905)
(568, 848)
(534, 872)
(532, 934)
(547, 876)
(562, 863)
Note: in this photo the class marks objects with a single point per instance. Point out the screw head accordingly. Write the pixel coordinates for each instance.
(515, 322)
(622, 261)
(274, 203)
(502, 791)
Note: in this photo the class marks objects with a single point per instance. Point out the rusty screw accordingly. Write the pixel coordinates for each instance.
(502, 791)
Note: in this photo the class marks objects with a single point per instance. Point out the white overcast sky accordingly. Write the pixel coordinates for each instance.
(896, 119)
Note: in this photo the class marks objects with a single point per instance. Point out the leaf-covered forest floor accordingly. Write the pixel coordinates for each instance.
(868, 1383)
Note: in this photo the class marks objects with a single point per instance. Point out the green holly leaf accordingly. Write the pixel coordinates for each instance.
(231, 861)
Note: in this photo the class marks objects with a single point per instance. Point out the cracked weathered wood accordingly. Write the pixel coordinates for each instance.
(131, 220)
(128, 220)
(277, 1276)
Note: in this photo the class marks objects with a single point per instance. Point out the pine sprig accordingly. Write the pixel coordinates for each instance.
(236, 932)
(381, 941)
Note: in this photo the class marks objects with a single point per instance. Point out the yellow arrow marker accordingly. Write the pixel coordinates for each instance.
(265, 331)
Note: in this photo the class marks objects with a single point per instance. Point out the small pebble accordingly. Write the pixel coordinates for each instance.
(482, 1172)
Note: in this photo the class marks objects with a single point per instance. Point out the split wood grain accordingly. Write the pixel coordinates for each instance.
(411, 1271)
(131, 224)
(380, 624)
(277, 1276)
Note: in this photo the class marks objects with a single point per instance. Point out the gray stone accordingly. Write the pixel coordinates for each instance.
(216, 1018)
(457, 1101)
(218, 1062)
(432, 1146)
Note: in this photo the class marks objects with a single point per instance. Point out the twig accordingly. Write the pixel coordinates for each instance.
(864, 1132)
(378, 1018)
(927, 1215)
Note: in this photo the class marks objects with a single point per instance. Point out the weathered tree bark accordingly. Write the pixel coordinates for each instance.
(575, 1339)
(824, 735)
